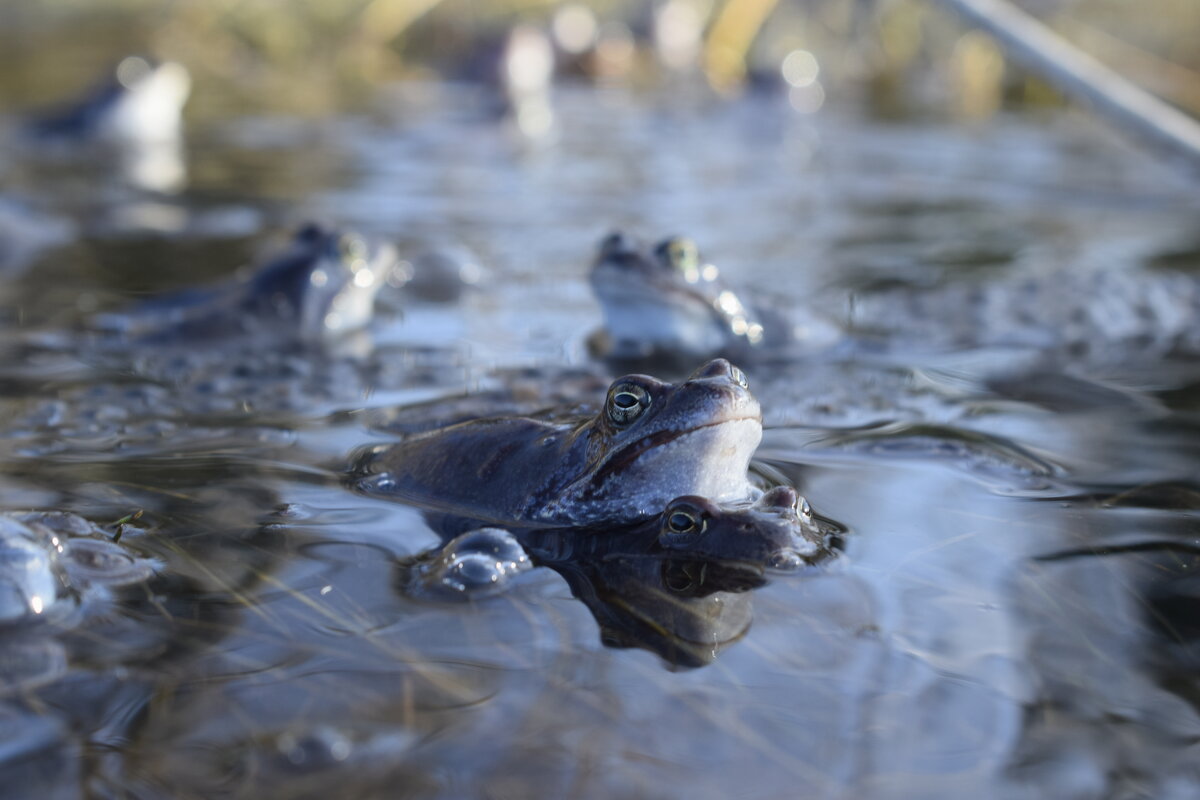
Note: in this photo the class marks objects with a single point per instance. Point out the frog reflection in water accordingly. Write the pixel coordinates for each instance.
(321, 287)
(668, 301)
(668, 584)
(652, 442)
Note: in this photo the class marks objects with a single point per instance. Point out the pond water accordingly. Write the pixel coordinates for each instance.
(1014, 612)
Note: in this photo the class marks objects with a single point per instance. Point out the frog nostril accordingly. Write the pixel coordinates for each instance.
(785, 560)
(716, 368)
(780, 497)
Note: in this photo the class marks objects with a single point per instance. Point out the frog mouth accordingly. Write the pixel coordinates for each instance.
(629, 455)
(644, 290)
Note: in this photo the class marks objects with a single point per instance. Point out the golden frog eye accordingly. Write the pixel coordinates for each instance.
(680, 254)
(682, 522)
(626, 402)
(352, 248)
(684, 518)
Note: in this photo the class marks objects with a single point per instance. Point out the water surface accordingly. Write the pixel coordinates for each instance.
(1013, 615)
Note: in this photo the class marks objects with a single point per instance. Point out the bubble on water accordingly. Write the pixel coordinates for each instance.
(31, 579)
(381, 483)
(478, 563)
(320, 747)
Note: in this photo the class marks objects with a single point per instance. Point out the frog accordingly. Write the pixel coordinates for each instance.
(680, 584)
(140, 102)
(676, 584)
(320, 288)
(650, 442)
(515, 70)
(777, 532)
(668, 301)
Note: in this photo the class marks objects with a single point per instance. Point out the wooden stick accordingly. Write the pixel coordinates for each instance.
(1084, 79)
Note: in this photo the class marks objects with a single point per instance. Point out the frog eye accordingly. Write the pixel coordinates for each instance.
(626, 402)
(351, 247)
(684, 521)
(680, 254)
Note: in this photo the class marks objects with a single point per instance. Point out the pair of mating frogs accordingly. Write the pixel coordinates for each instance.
(660, 471)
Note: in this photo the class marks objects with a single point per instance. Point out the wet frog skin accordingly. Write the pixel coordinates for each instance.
(650, 443)
(322, 286)
(675, 584)
(141, 102)
(666, 300)
(776, 531)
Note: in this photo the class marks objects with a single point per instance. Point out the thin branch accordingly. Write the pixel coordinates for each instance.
(1084, 79)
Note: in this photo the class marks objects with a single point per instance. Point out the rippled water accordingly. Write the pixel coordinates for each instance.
(1014, 612)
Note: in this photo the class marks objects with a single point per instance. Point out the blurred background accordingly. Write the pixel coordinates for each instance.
(899, 57)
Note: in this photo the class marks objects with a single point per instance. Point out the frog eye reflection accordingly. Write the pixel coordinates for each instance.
(626, 402)
(679, 253)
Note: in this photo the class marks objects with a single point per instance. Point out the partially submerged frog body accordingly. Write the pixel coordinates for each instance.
(651, 442)
(321, 287)
(673, 584)
(516, 68)
(667, 301)
(539, 392)
(679, 586)
(776, 531)
(141, 102)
